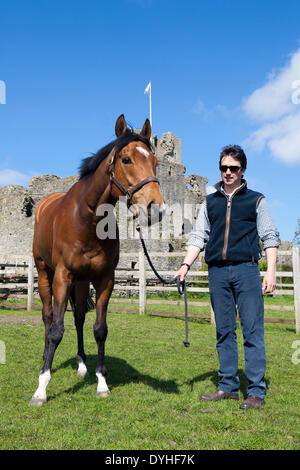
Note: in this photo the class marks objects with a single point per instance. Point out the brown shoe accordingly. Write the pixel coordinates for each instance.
(252, 402)
(219, 395)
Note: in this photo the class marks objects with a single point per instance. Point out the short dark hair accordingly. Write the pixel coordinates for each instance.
(234, 151)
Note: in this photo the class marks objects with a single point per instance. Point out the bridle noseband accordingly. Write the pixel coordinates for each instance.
(130, 192)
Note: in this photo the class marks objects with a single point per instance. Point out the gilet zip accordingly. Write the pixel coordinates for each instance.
(228, 215)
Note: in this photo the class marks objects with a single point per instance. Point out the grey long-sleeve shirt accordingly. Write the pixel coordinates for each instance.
(265, 227)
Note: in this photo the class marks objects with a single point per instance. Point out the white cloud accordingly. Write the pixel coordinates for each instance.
(200, 108)
(8, 176)
(275, 107)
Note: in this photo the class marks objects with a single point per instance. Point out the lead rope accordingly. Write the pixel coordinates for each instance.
(180, 287)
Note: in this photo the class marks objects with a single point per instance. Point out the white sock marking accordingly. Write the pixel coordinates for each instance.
(82, 369)
(44, 379)
(102, 385)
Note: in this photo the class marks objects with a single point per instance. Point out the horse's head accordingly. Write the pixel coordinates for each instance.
(132, 169)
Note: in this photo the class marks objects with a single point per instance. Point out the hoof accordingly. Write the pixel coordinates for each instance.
(36, 401)
(103, 394)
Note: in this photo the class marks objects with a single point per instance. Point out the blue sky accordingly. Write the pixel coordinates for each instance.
(222, 72)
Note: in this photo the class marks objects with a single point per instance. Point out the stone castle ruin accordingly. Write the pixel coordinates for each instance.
(17, 203)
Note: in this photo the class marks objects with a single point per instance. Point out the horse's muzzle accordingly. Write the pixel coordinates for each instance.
(148, 215)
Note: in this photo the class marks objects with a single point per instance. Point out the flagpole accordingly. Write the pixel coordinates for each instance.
(150, 105)
(148, 90)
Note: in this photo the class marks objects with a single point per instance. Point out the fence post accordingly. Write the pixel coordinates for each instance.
(296, 275)
(142, 282)
(30, 283)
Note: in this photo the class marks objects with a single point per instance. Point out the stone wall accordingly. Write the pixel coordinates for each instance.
(16, 225)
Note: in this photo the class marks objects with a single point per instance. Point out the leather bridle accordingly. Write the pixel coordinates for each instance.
(131, 191)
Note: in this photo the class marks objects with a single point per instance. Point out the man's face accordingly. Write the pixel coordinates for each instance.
(230, 177)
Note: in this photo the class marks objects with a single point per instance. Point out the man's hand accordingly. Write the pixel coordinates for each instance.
(269, 283)
(182, 272)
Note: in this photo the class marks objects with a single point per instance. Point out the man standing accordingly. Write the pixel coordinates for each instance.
(230, 223)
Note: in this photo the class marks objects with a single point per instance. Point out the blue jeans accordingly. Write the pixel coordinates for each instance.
(232, 286)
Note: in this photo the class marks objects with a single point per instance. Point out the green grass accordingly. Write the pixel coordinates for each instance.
(155, 384)
(285, 300)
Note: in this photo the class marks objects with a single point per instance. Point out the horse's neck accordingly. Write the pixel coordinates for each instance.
(96, 190)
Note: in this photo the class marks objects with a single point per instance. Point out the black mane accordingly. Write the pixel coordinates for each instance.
(90, 164)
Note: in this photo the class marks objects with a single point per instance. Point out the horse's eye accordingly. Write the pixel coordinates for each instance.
(126, 160)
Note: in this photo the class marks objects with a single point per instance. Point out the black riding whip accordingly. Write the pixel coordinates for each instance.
(181, 287)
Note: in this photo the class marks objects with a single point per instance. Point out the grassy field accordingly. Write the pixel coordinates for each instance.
(155, 384)
(195, 310)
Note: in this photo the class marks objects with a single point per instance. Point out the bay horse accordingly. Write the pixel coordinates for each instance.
(68, 253)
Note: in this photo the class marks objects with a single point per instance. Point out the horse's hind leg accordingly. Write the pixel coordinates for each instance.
(45, 278)
(80, 295)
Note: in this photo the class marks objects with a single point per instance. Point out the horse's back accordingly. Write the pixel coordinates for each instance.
(45, 203)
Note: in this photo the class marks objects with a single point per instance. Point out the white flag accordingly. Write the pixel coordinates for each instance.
(147, 88)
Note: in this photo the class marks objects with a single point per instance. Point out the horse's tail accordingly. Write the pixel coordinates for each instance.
(90, 304)
(72, 299)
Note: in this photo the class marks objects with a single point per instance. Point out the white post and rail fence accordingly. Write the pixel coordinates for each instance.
(14, 269)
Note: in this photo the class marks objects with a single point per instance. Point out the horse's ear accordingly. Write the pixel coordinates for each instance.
(121, 126)
(146, 131)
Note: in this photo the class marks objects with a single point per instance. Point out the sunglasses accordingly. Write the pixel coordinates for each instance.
(232, 168)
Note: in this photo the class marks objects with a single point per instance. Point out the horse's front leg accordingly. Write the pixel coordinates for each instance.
(81, 293)
(103, 287)
(61, 290)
